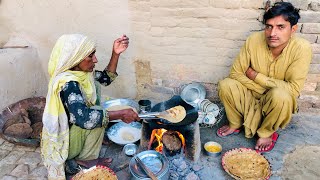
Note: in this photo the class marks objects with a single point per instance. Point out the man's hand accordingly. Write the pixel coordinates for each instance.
(120, 44)
(251, 73)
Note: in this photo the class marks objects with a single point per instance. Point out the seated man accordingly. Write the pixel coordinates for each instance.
(266, 78)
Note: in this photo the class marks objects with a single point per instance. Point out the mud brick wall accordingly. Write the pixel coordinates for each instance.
(180, 41)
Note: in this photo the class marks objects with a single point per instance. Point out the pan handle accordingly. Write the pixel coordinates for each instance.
(149, 114)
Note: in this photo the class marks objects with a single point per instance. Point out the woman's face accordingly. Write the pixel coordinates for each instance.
(88, 64)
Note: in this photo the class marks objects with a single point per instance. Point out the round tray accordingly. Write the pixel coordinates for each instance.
(155, 161)
(245, 163)
(193, 93)
(121, 102)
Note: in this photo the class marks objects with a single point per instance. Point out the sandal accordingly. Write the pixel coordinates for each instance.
(274, 138)
(219, 133)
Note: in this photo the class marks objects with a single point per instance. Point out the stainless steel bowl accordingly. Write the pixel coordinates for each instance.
(121, 102)
(216, 146)
(130, 149)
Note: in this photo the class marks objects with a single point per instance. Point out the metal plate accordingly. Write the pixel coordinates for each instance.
(155, 161)
(119, 102)
(116, 133)
(193, 93)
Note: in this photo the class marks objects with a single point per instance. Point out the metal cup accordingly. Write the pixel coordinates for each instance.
(144, 105)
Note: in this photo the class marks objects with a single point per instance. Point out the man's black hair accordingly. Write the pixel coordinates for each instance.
(284, 9)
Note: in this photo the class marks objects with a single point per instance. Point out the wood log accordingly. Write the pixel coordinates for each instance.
(37, 129)
(35, 114)
(19, 130)
(172, 141)
(17, 118)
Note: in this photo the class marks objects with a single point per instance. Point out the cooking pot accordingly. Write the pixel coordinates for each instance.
(155, 161)
(191, 112)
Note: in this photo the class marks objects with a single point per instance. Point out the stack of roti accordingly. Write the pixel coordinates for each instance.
(96, 173)
(244, 163)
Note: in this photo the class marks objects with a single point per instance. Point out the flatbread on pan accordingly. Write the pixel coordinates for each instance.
(174, 115)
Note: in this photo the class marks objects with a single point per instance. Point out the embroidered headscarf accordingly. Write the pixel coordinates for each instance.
(68, 52)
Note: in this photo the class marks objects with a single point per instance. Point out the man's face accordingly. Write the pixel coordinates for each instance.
(278, 31)
(88, 64)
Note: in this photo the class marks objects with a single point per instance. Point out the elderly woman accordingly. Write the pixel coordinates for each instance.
(73, 127)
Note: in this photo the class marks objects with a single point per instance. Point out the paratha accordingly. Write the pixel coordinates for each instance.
(244, 163)
(175, 114)
(96, 173)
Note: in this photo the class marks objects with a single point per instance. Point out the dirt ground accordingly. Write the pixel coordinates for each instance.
(295, 156)
(303, 163)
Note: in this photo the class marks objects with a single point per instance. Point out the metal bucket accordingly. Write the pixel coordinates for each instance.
(155, 161)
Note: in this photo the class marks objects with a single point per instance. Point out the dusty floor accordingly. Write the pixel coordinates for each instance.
(295, 156)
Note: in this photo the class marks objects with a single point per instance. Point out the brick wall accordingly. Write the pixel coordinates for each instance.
(180, 41)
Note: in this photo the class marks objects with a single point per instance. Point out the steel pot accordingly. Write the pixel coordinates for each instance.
(155, 161)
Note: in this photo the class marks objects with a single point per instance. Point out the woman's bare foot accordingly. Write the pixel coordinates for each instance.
(100, 161)
(263, 144)
(226, 130)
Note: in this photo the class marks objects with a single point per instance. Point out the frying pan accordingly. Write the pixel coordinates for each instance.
(192, 113)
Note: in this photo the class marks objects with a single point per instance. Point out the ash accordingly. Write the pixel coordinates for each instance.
(182, 168)
(206, 167)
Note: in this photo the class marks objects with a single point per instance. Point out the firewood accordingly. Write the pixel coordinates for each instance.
(17, 118)
(19, 130)
(37, 129)
(35, 114)
(171, 141)
(24, 112)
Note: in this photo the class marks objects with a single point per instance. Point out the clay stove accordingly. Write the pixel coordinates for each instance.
(189, 128)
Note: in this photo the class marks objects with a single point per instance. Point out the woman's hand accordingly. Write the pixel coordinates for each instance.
(126, 115)
(120, 45)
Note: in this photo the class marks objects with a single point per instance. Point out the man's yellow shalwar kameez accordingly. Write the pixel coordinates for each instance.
(267, 103)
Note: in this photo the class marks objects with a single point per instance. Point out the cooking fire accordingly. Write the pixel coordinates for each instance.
(167, 141)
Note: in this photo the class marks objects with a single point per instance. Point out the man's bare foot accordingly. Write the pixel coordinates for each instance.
(100, 161)
(266, 144)
(226, 130)
(263, 144)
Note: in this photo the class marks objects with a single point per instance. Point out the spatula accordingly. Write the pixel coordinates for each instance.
(152, 115)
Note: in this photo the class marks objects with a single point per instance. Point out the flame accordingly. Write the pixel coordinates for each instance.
(157, 134)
